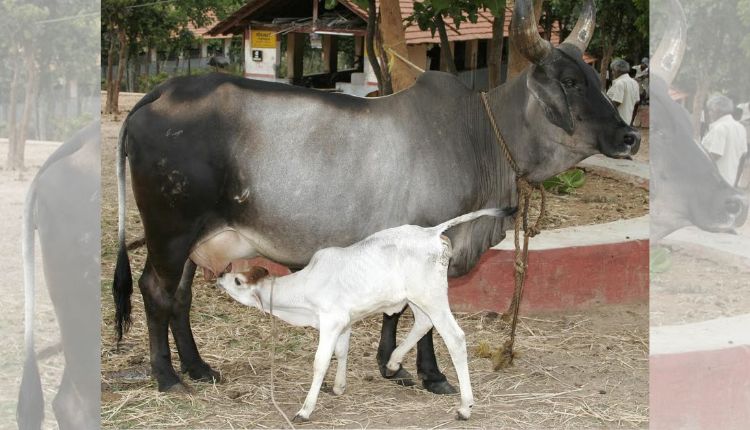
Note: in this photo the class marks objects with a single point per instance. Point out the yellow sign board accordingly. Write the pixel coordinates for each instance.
(260, 39)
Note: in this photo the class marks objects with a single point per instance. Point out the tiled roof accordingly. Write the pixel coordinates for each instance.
(482, 29)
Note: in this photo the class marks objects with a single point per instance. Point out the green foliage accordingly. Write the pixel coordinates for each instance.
(565, 182)
(659, 260)
(718, 45)
(147, 83)
(64, 128)
(460, 11)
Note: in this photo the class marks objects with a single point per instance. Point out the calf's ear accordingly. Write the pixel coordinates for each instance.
(255, 274)
(549, 94)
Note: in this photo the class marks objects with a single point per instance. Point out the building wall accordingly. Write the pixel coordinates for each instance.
(262, 59)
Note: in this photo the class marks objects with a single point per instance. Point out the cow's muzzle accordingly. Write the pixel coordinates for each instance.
(625, 144)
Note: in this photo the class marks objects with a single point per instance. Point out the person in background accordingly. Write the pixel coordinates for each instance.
(726, 139)
(624, 91)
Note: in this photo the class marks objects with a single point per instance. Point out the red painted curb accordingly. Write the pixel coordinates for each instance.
(557, 279)
(700, 389)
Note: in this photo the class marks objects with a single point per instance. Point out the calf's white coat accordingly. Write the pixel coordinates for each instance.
(386, 271)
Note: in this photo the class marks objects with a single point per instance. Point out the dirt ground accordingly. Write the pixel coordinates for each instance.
(700, 284)
(12, 194)
(577, 370)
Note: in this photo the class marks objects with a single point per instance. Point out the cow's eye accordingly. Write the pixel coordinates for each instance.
(237, 282)
(569, 83)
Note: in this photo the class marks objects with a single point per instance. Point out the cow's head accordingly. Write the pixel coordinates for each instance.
(686, 187)
(565, 107)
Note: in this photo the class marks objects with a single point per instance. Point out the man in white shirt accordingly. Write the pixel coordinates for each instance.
(624, 91)
(726, 139)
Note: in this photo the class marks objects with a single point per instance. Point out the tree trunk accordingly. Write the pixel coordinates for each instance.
(30, 95)
(383, 59)
(392, 32)
(446, 55)
(495, 62)
(113, 91)
(372, 57)
(108, 107)
(608, 50)
(12, 115)
(517, 63)
(699, 101)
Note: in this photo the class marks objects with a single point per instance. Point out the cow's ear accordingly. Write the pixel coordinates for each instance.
(255, 274)
(549, 93)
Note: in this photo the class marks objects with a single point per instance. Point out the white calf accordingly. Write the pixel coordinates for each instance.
(382, 273)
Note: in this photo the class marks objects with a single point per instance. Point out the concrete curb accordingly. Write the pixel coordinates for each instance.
(698, 375)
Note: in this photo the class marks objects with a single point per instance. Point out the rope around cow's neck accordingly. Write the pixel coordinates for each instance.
(273, 355)
(525, 191)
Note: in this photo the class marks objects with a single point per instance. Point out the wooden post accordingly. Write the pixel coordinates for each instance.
(471, 54)
(330, 53)
(295, 44)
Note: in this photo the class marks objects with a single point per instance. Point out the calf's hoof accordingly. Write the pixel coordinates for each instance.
(401, 376)
(463, 414)
(339, 390)
(439, 387)
(299, 418)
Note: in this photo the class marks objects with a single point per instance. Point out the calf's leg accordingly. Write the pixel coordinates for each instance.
(386, 347)
(342, 351)
(422, 325)
(454, 338)
(329, 335)
(190, 360)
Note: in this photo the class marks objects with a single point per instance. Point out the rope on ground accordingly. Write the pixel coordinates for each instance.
(504, 357)
(273, 357)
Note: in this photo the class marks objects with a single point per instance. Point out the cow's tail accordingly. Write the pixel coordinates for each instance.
(122, 285)
(30, 408)
(471, 216)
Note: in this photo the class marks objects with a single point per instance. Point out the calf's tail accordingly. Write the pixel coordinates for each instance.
(471, 216)
(30, 408)
(122, 285)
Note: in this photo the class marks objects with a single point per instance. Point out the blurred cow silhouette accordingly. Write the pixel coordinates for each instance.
(62, 205)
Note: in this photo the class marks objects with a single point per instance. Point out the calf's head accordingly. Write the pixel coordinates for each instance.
(242, 286)
(565, 109)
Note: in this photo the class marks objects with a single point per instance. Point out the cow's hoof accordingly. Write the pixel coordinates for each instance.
(300, 419)
(179, 388)
(439, 387)
(203, 374)
(401, 376)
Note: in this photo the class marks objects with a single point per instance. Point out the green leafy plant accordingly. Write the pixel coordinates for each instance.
(659, 260)
(565, 182)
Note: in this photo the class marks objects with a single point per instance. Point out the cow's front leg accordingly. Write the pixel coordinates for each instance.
(385, 349)
(427, 368)
(190, 360)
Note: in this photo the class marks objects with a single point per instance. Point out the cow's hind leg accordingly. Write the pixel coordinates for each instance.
(385, 349)
(158, 290)
(433, 380)
(190, 360)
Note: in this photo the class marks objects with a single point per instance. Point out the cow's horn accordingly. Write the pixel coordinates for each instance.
(584, 29)
(668, 56)
(525, 33)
